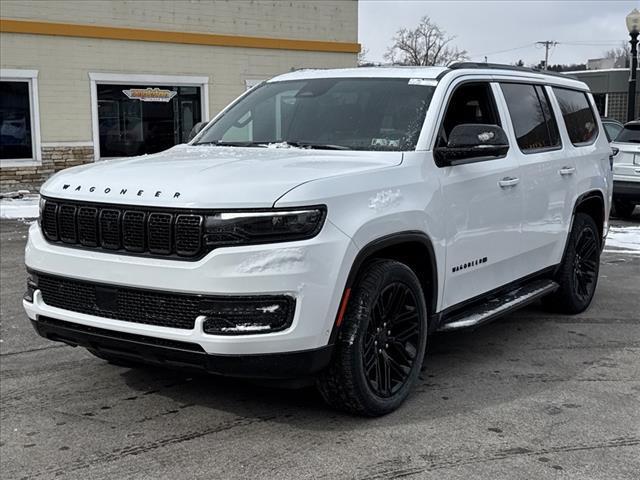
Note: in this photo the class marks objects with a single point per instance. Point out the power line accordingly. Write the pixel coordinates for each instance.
(503, 51)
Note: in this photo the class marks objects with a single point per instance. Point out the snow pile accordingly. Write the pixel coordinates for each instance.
(623, 240)
(283, 259)
(25, 207)
(385, 199)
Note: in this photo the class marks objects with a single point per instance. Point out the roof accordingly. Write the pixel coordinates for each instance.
(364, 72)
(433, 73)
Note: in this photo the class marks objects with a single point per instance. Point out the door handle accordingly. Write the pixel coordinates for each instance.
(507, 182)
(567, 170)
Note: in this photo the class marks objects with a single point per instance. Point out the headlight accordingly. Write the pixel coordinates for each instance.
(268, 226)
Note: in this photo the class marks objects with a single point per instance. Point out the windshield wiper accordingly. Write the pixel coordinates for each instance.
(318, 146)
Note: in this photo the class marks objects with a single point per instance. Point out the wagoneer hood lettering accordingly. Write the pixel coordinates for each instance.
(209, 177)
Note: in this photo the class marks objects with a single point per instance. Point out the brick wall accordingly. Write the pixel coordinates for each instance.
(54, 159)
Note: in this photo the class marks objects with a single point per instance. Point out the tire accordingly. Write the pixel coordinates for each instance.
(578, 273)
(624, 209)
(386, 302)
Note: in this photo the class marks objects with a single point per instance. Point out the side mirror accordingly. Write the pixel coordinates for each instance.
(195, 130)
(472, 142)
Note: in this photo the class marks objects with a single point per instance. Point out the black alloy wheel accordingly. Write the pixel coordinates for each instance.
(392, 339)
(585, 266)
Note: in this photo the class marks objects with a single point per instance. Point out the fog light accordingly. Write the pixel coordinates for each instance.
(248, 315)
(32, 286)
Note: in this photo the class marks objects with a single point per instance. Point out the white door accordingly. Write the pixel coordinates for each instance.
(483, 204)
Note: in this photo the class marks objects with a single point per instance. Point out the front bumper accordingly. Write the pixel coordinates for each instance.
(626, 190)
(313, 271)
(151, 350)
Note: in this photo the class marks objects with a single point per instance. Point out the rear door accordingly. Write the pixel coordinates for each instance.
(483, 203)
(548, 172)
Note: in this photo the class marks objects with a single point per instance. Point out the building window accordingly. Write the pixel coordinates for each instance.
(600, 99)
(19, 119)
(134, 119)
(134, 114)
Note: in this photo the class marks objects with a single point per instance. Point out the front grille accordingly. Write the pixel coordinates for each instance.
(163, 308)
(131, 230)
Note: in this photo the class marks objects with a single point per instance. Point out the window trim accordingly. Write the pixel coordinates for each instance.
(534, 151)
(31, 78)
(594, 112)
(100, 78)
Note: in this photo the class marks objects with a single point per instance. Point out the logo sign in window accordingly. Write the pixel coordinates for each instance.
(150, 94)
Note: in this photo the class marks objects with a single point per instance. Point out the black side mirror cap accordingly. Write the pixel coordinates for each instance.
(470, 143)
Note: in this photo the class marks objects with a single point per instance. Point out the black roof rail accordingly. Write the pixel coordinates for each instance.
(499, 66)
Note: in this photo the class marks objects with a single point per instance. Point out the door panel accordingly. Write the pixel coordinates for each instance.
(483, 227)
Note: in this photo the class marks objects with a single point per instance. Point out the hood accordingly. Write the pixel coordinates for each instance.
(209, 176)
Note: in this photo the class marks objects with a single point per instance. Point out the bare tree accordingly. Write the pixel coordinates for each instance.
(362, 57)
(620, 54)
(426, 45)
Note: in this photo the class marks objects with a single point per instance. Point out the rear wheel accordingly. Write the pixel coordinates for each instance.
(578, 274)
(623, 208)
(382, 343)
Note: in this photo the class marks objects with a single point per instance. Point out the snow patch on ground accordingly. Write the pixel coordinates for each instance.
(275, 261)
(385, 199)
(623, 240)
(25, 207)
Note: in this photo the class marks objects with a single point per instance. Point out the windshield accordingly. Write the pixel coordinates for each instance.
(629, 134)
(332, 113)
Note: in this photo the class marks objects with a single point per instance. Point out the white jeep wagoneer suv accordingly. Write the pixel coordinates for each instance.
(326, 223)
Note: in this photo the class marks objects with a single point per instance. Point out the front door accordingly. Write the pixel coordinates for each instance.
(483, 205)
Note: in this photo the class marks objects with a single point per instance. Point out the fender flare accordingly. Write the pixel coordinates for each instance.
(369, 251)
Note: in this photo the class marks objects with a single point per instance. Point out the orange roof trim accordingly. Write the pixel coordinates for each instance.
(144, 35)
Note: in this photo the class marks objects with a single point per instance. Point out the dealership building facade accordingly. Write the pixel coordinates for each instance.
(86, 81)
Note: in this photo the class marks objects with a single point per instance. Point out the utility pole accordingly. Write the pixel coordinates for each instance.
(547, 45)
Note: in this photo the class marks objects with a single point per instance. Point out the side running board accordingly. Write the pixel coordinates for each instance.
(498, 306)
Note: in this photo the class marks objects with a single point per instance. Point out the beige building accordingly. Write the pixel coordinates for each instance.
(82, 81)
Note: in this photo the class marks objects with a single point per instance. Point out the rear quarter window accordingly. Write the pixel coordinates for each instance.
(578, 116)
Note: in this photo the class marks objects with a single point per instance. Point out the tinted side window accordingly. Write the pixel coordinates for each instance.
(550, 119)
(470, 103)
(578, 115)
(534, 125)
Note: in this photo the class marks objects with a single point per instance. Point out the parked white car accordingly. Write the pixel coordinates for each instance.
(626, 169)
(326, 223)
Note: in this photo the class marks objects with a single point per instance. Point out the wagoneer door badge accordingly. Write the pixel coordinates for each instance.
(123, 191)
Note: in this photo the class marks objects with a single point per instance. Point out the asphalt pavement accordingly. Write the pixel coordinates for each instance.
(532, 396)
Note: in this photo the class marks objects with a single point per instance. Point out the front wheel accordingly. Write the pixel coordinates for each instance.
(382, 342)
(578, 273)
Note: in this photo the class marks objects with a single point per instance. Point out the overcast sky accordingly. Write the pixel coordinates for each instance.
(584, 29)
